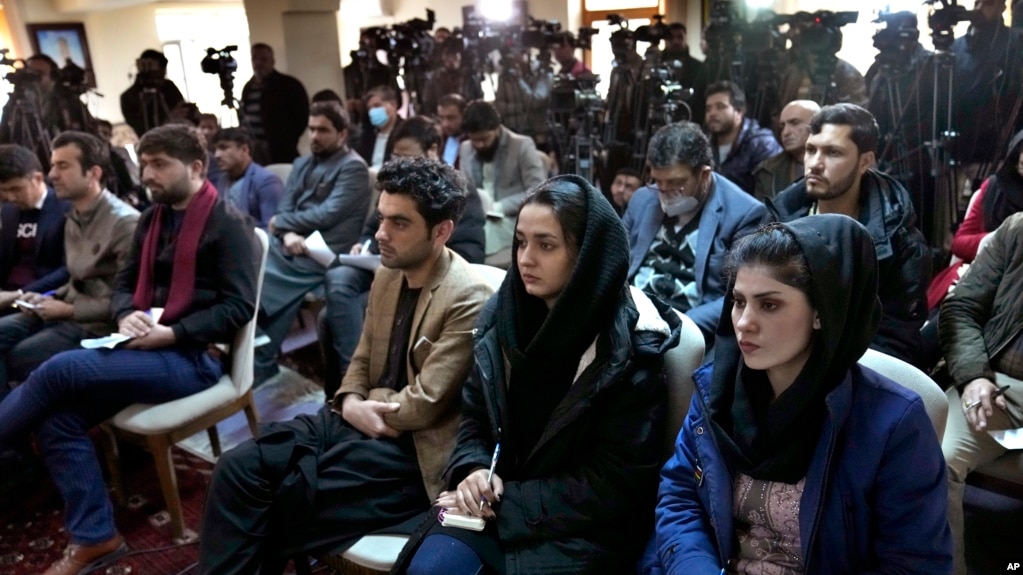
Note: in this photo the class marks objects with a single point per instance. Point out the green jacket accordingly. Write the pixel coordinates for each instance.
(985, 312)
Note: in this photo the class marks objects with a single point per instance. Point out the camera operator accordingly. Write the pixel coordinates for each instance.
(275, 109)
(365, 72)
(450, 78)
(61, 108)
(149, 101)
(564, 53)
(676, 49)
(813, 43)
(523, 92)
(987, 84)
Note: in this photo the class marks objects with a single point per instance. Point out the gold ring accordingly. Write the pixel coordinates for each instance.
(968, 404)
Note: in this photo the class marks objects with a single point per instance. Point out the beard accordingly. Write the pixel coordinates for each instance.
(486, 155)
(830, 189)
(174, 193)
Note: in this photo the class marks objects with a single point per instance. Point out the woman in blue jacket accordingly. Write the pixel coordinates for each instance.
(568, 382)
(793, 458)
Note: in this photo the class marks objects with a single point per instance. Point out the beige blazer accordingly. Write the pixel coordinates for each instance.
(440, 355)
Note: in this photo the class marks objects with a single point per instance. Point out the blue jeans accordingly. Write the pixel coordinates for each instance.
(26, 342)
(76, 390)
(340, 322)
(443, 554)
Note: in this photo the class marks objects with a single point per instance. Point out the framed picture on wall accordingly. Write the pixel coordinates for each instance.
(63, 41)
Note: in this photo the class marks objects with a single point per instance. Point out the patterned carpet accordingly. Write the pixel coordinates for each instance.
(32, 535)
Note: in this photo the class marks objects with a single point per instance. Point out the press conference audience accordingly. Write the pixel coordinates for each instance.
(737, 142)
(274, 108)
(779, 171)
(382, 104)
(253, 189)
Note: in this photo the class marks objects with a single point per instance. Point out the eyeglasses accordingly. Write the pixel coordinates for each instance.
(672, 186)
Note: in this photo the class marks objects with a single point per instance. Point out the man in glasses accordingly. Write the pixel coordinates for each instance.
(681, 224)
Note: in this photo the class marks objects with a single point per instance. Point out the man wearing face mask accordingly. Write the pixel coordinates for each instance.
(382, 104)
(683, 222)
(503, 166)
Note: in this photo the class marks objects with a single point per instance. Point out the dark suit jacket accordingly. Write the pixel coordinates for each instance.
(284, 108)
(368, 140)
(261, 191)
(50, 270)
(728, 214)
(336, 204)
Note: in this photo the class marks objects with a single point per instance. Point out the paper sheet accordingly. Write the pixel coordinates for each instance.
(109, 342)
(369, 263)
(1009, 438)
(319, 250)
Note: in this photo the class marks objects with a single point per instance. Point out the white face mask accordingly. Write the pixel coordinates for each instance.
(677, 205)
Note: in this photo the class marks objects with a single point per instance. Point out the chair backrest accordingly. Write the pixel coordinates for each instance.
(493, 276)
(912, 378)
(282, 171)
(374, 194)
(243, 348)
(679, 364)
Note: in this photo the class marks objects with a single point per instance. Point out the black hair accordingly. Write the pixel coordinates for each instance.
(628, 172)
(331, 111)
(54, 67)
(452, 45)
(385, 92)
(326, 95)
(480, 116)
(93, 151)
(563, 196)
(151, 54)
(455, 100)
(262, 46)
(422, 129)
(440, 192)
(774, 248)
(865, 132)
(735, 94)
(239, 136)
(677, 26)
(17, 162)
(179, 141)
(681, 142)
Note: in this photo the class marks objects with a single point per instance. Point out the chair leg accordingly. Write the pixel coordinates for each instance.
(160, 445)
(214, 436)
(108, 445)
(250, 414)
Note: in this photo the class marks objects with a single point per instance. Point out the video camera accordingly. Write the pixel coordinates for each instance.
(221, 62)
(218, 61)
(898, 34)
(410, 40)
(943, 20)
(652, 33)
(818, 32)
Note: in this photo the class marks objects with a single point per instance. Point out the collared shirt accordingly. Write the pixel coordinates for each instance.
(451, 145)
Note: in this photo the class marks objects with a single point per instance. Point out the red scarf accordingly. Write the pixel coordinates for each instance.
(182, 288)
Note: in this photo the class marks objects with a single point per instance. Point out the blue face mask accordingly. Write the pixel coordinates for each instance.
(378, 116)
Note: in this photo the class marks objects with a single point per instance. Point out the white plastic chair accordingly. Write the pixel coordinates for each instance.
(162, 425)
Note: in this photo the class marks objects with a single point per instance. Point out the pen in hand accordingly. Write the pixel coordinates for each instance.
(490, 474)
(1001, 390)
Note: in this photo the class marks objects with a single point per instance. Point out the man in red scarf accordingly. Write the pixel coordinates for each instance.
(195, 257)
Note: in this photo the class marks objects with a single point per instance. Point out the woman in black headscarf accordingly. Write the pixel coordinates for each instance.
(567, 381)
(793, 458)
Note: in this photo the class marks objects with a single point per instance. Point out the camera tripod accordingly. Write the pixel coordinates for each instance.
(153, 107)
(23, 123)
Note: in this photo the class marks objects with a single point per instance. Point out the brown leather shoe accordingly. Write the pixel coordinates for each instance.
(84, 558)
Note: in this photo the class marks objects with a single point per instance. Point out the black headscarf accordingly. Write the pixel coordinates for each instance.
(544, 347)
(775, 440)
(1004, 193)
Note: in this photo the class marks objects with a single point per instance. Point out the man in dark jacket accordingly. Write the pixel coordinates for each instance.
(779, 171)
(152, 99)
(192, 256)
(839, 179)
(983, 346)
(274, 108)
(738, 143)
(31, 228)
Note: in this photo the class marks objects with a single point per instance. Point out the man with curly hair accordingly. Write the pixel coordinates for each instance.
(373, 458)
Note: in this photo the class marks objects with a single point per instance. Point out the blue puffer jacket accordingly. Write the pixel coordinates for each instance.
(874, 500)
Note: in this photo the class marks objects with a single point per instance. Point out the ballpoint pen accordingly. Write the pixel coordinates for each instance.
(490, 474)
(997, 392)
(365, 247)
